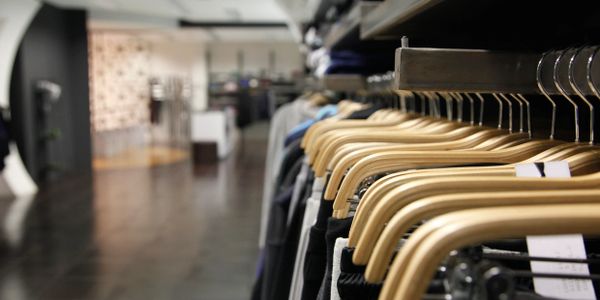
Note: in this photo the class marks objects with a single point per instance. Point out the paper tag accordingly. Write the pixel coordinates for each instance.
(557, 169)
(553, 169)
(559, 246)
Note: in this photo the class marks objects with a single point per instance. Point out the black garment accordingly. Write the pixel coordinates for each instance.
(4, 141)
(351, 283)
(289, 179)
(293, 153)
(274, 242)
(257, 288)
(316, 253)
(336, 228)
(365, 113)
(277, 230)
(530, 296)
(285, 271)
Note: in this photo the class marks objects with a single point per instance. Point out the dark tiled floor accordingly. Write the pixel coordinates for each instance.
(170, 232)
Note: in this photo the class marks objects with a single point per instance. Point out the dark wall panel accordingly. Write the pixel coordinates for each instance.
(54, 143)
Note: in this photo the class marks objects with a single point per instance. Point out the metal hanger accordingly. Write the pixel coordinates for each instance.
(579, 92)
(563, 92)
(589, 76)
(472, 109)
(544, 92)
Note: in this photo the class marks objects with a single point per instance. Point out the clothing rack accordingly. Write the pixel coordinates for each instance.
(397, 201)
(344, 82)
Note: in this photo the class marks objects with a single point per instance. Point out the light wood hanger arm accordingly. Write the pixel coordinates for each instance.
(464, 143)
(580, 164)
(459, 229)
(373, 224)
(392, 161)
(411, 127)
(367, 204)
(400, 137)
(430, 207)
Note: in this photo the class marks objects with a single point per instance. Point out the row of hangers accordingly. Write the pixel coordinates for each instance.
(457, 174)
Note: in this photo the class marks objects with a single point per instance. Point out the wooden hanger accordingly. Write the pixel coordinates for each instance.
(493, 139)
(431, 207)
(484, 140)
(394, 160)
(480, 141)
(330, 148)
(328, 125)
(386, 184)
(582, 164)
(423, 123)
(413, 126)
(412, 191)
(409, 278)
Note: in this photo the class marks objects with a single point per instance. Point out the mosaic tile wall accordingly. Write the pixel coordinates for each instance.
(119, 74)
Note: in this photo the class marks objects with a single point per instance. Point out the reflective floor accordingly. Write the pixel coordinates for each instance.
(169, 232)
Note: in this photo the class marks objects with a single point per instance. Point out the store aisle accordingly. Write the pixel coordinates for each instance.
(169, 232)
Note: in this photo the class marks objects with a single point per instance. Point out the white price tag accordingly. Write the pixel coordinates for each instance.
(558, 246)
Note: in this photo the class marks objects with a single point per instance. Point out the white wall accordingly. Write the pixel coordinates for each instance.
(16, 16)
(182, 59)
(224, 57)
(123, 62)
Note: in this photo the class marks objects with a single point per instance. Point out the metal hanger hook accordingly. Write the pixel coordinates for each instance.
(472, 110)
(500, 110)
(459, 105)
(480, 108)
(520, 111)
(528, 113)
(589, 76)
(545, 93)
(579, 92)
(510, 112)
(563, 92)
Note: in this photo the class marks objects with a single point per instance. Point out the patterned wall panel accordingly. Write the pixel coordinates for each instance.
(119, 75)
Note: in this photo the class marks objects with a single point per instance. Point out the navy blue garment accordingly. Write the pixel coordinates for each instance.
(364, 113)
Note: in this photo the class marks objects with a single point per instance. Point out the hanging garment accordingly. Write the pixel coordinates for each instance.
(285, 119)
(336, 228)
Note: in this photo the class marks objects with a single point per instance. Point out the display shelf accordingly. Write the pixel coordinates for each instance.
(346, 32)
(484, 24)
(343, 82)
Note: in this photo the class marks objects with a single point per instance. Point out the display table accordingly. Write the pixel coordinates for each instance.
(211, 128)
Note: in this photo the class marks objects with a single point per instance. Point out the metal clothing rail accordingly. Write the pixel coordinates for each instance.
(467, 70)
(458, 70)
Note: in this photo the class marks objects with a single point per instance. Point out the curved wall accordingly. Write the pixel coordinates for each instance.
(15, 16)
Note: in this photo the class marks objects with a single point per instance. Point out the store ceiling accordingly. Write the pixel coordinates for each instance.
(191, 10)
(161, 18)
(214, 35)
